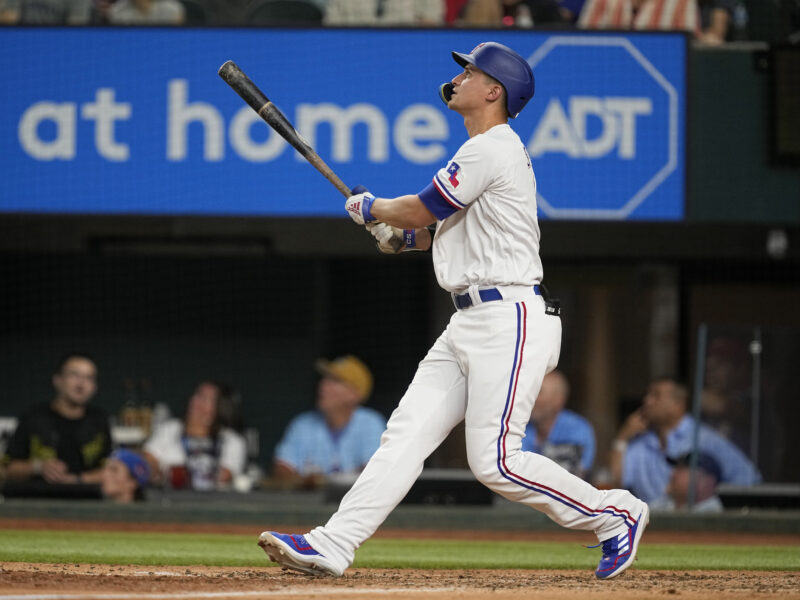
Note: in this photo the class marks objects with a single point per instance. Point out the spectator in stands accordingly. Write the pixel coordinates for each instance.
(662, 429)
(146, 12)
(520, 13)
(708, 20)
(198, 452)
(707, 475)
(557, 432)
(608, 14)
(339, 436)
(726, 401)
(384, 12)
(45, 12)
(640, 14)
(716, 17)
(66, 440)
(125, 475)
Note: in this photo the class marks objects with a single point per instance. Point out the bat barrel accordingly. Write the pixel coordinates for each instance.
(242, 85)
(258, 101)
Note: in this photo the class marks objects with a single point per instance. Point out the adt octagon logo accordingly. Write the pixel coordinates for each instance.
(607, 142)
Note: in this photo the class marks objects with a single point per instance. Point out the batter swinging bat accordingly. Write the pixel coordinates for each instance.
(250, 93)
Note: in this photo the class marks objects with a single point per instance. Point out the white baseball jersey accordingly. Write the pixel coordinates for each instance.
(496, 241)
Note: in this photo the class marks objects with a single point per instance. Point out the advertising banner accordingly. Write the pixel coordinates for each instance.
(137, 121)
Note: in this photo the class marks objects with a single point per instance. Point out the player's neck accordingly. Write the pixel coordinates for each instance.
(481, 123)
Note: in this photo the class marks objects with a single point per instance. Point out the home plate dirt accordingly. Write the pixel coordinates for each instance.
(26, 581)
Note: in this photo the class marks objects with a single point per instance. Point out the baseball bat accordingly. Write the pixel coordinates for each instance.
(258, 101)
(250, 93)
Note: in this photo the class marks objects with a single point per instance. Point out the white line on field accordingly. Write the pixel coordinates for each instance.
(330, 591)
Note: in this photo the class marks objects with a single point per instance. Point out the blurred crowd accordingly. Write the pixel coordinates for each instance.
(69, 447)
(708, 21)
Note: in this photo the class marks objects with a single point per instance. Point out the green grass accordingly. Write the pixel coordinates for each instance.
(238, 550)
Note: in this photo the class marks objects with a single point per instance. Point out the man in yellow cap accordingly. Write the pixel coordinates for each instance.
(339, 436)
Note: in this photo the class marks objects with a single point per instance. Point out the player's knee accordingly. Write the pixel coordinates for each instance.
(483, 464)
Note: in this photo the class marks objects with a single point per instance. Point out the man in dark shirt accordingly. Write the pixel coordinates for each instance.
(66, 440)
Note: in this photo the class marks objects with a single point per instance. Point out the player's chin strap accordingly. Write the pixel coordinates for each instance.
(446, 92)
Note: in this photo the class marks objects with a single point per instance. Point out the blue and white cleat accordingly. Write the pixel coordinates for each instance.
(619, 552)
(294, 552)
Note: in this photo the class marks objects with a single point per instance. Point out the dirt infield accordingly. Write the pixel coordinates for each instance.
(26, 581)
(67, 582)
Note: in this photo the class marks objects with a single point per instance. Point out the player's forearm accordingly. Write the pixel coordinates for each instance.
(405, 212)
(423, 239)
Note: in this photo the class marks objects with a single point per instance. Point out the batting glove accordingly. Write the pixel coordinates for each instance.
(390, 239)
(358, 207)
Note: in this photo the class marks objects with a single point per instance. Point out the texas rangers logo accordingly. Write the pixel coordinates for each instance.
(453, 170)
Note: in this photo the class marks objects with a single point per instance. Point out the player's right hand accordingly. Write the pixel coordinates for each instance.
(358, 207)
(389, 238)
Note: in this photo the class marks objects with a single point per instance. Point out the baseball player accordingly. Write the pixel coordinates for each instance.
(487, 366)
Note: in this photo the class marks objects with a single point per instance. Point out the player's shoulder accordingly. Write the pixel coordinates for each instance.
(484, 148)
(497, 144)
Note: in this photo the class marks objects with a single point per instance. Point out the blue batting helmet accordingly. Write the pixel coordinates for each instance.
(505, 65)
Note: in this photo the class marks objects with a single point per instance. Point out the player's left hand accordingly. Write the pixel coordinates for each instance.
(358, 207)
(390, 239)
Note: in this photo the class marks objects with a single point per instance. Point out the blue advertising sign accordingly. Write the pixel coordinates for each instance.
(136, 120)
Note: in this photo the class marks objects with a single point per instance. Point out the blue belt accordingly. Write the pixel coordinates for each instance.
(465, 301)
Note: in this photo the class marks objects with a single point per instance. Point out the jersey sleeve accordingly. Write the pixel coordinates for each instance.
(461, 181)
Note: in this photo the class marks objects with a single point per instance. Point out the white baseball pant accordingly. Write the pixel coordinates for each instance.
(486, 368)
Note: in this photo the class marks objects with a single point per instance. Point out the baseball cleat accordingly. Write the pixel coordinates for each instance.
(619, 552)
(294, 552)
